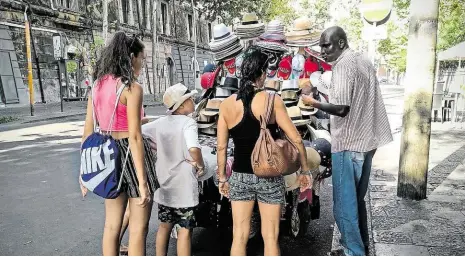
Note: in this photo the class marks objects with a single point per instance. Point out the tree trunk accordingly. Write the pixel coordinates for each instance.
(105, 21)
(416, 130)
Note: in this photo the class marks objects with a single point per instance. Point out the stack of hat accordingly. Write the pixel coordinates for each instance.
(289, 93)
(297, 117)
(207, 117)
(225, 43)
(250, 28)
(302, 34)
(273, 39)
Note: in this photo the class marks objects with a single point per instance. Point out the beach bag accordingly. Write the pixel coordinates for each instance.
(273, 158)
(101, 169)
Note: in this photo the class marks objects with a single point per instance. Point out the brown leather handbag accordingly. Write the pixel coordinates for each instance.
(273, 158)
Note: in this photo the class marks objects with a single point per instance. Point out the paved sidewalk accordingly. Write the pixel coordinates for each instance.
(50, 111)
(435, 226)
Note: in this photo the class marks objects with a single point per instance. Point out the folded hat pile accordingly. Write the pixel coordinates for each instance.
(273, 40)
(302, 33)
(250, 27)
(225, 43)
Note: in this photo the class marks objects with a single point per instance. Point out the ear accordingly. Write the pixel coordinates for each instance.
(131, 55)
(342, 43)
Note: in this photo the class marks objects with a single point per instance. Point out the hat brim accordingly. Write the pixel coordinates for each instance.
(248, 26)
(205, 125)
(209, 113)
(182, 100)
(300, 122)
(208, 132)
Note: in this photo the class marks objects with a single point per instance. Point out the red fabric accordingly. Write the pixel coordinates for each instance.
(231, 65)
(285, 68)
(309, 68)
(207, 80)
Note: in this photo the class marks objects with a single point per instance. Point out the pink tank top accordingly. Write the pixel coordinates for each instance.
(105, 94)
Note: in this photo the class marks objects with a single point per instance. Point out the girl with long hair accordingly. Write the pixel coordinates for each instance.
(239, 118)
(119, 65)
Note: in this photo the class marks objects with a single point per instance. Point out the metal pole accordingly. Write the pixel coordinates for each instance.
(154, 46)
(36, 58)
(29, 62)
(195, 42)
(61, 85)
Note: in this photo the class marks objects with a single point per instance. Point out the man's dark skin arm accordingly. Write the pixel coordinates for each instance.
(336, 110)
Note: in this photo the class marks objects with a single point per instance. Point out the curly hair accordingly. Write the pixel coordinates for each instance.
(253, 66)
(115, 58)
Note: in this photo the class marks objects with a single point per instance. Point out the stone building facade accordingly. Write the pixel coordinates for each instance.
(79, 23)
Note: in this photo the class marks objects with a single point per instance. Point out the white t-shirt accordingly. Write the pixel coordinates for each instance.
(174, 135)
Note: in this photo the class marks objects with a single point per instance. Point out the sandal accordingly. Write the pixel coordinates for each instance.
(123, 250)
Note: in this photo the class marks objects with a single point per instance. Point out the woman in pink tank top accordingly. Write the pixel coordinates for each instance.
(116, 71)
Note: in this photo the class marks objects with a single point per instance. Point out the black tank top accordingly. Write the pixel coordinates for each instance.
(245, 135)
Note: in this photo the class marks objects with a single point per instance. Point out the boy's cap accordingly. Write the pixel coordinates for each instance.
(176, 95)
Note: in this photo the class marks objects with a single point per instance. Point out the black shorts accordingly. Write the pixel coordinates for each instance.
(184, 217)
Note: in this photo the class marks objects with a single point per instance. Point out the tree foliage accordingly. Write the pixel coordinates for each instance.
(317, 11)
(451, 23)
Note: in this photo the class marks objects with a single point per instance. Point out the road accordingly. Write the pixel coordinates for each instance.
(43, 213)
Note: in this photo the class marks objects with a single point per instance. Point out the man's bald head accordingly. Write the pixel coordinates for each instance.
(333, 42)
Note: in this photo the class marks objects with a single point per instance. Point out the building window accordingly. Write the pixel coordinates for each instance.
(125, 7)
(199, 32)
(68, 4)
(164, 18)
(210, 36)
(190, 31)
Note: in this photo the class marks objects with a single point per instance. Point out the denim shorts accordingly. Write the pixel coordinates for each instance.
(248, 187)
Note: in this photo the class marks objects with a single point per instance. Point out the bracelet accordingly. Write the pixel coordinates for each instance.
(305, 172)
(223, 181)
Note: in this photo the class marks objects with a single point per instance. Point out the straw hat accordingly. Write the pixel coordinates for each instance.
(275, 27)
(208, 131)
(289, 96)
(250, 20)
(212, 108)
(306, 109)
(222, 36)
(175, 96)
(302, 27)
(222, 93)
(296, 116)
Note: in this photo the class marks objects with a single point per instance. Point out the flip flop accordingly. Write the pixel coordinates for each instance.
(123, 250)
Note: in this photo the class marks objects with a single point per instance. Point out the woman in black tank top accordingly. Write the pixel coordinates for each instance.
(238, 119)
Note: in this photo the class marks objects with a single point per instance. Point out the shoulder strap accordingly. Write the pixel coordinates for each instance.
(269, 107)
(118, 95)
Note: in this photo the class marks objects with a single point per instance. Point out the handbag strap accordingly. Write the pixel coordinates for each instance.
(265, 118)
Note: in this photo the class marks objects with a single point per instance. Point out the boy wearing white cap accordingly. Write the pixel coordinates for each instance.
(179, 163)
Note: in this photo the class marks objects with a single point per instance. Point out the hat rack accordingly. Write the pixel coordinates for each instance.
(274, 42)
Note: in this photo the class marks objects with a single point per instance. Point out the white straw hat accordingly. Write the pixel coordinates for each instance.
(175, 96)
